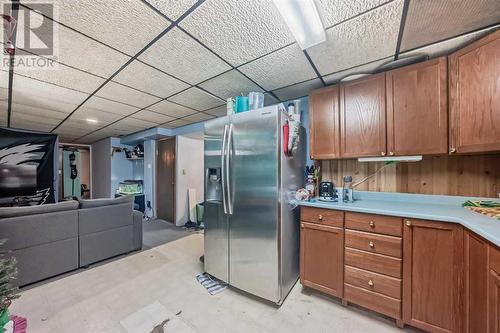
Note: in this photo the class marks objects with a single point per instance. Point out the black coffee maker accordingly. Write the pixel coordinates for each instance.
(326, 191)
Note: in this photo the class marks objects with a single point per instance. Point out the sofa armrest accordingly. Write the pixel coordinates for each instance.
(137, 222)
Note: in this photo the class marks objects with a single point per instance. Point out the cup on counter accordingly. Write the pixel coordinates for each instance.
(256, 100)
(242, 104)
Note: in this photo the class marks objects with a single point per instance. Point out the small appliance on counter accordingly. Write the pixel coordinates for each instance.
(327, 191)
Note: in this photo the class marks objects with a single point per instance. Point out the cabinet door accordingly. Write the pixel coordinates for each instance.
(322, 258)
(494, 291)
(324, 123)
(362, 117)
(475, 96)
(476, 282)
(417, 109)
(432, 281)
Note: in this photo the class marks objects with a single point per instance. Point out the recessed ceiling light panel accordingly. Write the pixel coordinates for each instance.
(91, 121)
(303, 20)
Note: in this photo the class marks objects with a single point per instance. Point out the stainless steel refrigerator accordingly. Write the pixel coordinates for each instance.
(251, 230)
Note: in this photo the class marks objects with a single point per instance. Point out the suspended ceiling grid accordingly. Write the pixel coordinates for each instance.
(135, 64)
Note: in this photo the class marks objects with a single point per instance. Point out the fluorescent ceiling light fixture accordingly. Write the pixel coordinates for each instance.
(91, 121)
(303, 20)
(391, 159)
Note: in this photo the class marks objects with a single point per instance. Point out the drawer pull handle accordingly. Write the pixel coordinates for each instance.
(408, 223)
(370, 283)
(320, 217)
(382, 153)
(372, 224)
(372, 245)
(302, 225)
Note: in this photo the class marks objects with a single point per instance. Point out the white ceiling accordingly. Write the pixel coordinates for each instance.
(136, 64)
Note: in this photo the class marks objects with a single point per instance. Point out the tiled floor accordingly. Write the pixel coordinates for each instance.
(138, 292)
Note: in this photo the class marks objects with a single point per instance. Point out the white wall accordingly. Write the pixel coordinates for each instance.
(189, 173)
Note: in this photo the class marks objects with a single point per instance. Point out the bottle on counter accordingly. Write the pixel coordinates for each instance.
(310, 186)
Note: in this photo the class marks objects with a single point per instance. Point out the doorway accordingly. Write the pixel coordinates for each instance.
(74, 171)
(165, 179)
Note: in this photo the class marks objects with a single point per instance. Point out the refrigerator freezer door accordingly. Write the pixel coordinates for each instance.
(253, 226)
(216, 221)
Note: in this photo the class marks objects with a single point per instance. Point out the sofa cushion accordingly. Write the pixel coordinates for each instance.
(91, 203)
(6, 212)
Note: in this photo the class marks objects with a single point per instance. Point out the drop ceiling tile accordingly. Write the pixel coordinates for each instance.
(44, 95)
(197, 117)
(335, 11)
(230, 84)
(153, 117)
(178, 123)
(150, 80)
(63, 76)
(99, 118)
(19, 123)
(197, 99)
(173, 9)
(431, 21)
(119, 93)
(237, 30)
(178, 54)
(270, 100)
(106, 105)
(94, 137)
(124, 25)
(363, 69)
(366, 38)
(281, 68)
(74, 49)
(132, 124)
(218, 111)
(73, 130)
(450, 45)
(298, 90)
(171, 109)
(33, 113)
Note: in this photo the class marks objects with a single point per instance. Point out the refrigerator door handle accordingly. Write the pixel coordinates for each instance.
(223, 158)
(228, 165)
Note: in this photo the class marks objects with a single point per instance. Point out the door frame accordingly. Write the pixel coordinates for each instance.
(157, 162)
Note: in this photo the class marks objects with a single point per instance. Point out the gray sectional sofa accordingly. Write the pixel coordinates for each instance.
(52, 239)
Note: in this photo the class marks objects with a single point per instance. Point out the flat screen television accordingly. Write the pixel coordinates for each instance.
(17, 180)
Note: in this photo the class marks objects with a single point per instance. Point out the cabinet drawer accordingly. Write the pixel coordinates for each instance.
(379, 283)
(380, 224)
(377, 263)
(323, 216)
(374, 301)
(388, 245)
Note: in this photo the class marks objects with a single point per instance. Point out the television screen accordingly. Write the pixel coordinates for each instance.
(17, 180)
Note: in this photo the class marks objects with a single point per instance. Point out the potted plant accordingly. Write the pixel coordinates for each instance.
(8, 291)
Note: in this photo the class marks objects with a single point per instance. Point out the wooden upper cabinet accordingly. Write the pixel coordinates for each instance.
(417, 109)
(322, 258)
(362, 117)
(475, 96)
(324, 123)
(432, 275)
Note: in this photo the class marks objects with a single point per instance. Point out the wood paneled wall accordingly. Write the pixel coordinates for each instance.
(471, 175)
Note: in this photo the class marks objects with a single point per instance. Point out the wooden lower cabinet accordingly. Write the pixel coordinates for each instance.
(447, 279)
(494, 290)
(322, 258)
(432, 275)
(476, 286)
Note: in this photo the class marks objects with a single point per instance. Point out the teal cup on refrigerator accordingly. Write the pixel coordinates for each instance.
(242, 104)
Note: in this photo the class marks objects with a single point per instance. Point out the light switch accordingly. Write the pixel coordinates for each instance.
(183, 171)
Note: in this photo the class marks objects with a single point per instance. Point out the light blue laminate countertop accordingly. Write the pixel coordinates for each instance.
(429, 207)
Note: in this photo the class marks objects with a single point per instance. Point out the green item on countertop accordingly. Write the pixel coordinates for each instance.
(482, 203)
